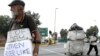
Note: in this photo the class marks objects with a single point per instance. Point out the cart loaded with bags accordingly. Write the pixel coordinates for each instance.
(75, 42)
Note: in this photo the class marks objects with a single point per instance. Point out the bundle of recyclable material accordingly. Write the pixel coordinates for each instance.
(76, 37)
(75, 27)
(76, 34)
(74, 47)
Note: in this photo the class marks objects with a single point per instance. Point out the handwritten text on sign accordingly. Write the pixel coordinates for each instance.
(18, 35)
(20, 48)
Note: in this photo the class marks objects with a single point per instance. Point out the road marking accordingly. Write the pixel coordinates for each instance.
(53, 51)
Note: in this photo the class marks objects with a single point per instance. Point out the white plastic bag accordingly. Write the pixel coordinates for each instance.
(74, 47)
(76, 34)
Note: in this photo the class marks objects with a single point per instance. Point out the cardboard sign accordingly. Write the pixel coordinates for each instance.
(18, 35)
(19, 48)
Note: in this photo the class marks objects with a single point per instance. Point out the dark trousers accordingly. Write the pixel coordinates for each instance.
(95, 48)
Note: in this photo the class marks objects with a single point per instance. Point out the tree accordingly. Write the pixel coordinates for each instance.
(4, 23)
(92, 30)
(35, 17)
(63, 33)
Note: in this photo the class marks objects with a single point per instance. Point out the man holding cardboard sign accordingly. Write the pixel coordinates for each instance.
(21, 20)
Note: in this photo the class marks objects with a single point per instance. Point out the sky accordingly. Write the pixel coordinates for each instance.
(85, 13)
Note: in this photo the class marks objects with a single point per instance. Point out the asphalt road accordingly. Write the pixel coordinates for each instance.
(58, 50)
(52, 50)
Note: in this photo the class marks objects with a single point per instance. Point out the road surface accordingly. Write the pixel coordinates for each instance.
(57, 50)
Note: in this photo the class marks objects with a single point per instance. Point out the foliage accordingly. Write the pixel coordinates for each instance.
(63, 33)
(92, 30)
(4, 23)
(35, 17)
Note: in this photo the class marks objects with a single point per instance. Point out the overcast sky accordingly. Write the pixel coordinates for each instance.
(85, 13)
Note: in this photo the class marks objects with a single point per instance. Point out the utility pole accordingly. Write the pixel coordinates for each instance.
(55, 20)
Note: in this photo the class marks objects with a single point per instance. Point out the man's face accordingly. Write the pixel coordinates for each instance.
(14, 10)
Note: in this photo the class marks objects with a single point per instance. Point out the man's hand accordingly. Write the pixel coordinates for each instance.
(35, 54)
(36, 46)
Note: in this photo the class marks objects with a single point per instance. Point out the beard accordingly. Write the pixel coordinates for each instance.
(14, 14)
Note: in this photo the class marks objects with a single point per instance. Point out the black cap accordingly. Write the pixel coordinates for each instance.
(17, 2)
